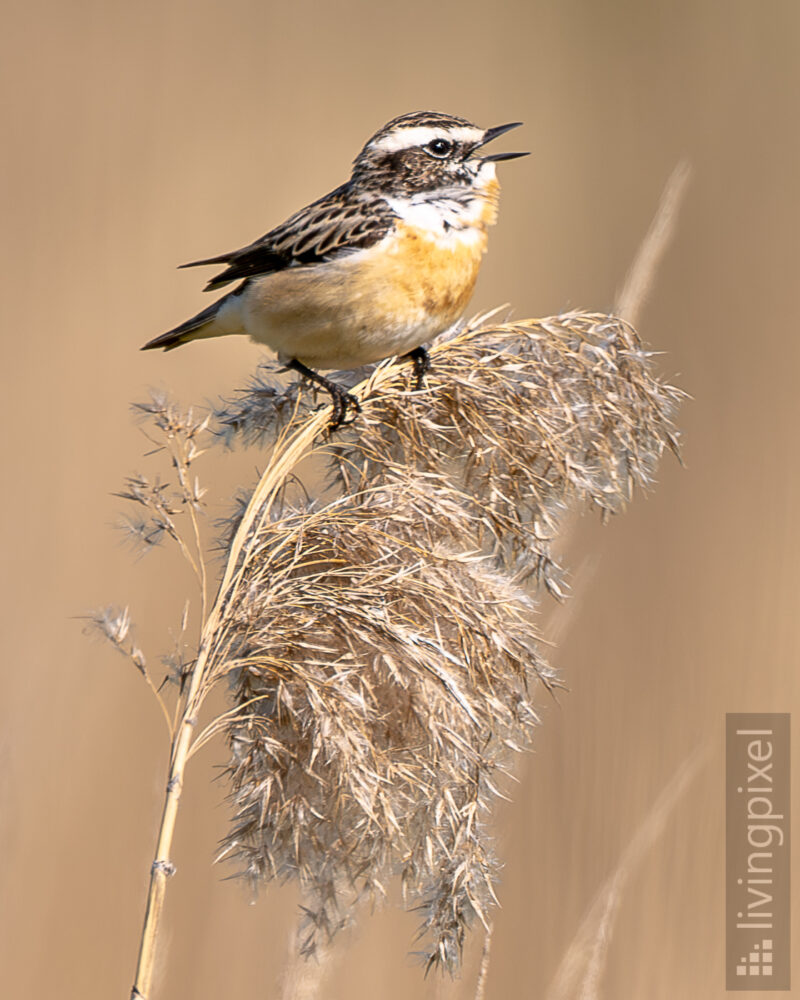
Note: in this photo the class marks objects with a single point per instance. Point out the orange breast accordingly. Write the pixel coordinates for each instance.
(425, 279)
(437, 271)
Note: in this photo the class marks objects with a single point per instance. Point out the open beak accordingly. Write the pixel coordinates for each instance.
(493, 133)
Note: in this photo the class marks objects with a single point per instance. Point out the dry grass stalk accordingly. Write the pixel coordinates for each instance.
(641, 277)
(379, 646)
(483, 971)
(580, 973)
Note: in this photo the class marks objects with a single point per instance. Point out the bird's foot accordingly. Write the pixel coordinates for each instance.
(341, 399)
(422, 365)
(342, 402)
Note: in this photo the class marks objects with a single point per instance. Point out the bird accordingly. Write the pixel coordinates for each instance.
(377, 268)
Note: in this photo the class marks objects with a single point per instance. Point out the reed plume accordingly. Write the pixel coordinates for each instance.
(381, 645)
(378, 642)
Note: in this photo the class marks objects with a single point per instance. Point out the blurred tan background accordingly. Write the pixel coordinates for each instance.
(138, 136)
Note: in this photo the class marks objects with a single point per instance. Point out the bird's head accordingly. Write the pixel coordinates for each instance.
(426, 151)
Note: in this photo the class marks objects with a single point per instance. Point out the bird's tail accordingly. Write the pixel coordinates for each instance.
(220, 318)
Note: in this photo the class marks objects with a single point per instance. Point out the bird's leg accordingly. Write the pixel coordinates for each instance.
(342, 399)
(422, 364)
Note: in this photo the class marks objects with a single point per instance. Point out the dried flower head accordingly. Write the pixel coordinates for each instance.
(380, 645)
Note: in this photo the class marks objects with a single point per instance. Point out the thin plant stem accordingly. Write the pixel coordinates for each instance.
(162, 705)
(579, 974)
(483, 973)
(642, 274)
(162, 868)
(181, 465)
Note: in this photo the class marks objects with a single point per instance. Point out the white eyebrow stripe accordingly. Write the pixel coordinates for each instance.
(419, 135)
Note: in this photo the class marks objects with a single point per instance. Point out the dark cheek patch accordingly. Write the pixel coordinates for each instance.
(421, 172)
(410, 171)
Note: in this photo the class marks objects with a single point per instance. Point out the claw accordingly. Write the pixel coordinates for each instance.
(342, 401)
(341, 398)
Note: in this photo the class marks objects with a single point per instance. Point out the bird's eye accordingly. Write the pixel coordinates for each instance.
(440, 148)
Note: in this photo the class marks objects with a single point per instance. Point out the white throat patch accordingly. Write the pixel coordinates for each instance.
(442, 211)
(442, 217)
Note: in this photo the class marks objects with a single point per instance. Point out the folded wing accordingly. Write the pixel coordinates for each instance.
(338, 223)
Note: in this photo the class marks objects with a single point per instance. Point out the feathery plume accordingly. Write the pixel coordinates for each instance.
(378, 642)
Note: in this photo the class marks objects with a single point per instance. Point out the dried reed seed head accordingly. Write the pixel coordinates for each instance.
(114, 625)
(259, 410)
(170, 418)
(385, 669)
(381, 648)
(533, 415)
(526, 418)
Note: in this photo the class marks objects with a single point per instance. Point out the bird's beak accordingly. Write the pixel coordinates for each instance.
(493, 133)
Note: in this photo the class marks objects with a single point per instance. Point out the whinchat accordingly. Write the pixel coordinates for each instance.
(376, 268)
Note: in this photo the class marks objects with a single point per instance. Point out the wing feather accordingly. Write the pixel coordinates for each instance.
(336, 224)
